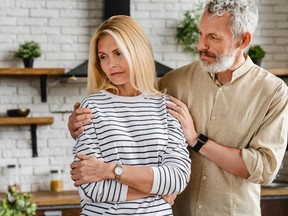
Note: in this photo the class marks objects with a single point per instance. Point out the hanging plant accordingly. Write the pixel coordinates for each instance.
(187, 31)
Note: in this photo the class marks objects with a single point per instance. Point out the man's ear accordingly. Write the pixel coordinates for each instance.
(245, 40)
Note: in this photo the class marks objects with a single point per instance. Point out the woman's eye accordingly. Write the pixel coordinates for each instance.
(118, 53)
(102, 57)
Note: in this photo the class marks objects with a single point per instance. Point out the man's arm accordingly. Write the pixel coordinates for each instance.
(78, 118)
(227, 158)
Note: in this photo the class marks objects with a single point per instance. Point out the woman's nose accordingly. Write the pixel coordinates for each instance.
(112, 63)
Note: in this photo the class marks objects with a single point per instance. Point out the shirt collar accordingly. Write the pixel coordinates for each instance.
(243, 69)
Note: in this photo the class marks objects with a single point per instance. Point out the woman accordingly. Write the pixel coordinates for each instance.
(133, 153)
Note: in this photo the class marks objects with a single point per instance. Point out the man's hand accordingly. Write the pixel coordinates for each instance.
(77, 120)
(89, 169)
(169, 198)
(183, 115)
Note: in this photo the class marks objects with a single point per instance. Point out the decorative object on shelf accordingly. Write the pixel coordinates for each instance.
(21, 112)
(256, 53)
(187, 31)
(17, 203)
(28, 51)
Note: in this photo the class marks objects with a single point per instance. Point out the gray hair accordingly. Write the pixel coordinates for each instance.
(244, 14)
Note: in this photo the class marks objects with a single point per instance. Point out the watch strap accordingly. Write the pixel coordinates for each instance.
(117, 177)
(202, 139)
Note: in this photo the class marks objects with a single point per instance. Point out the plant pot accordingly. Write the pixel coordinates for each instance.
(28, 63)
(257, 61)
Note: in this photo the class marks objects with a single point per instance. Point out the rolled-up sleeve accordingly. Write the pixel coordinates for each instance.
(266, 149)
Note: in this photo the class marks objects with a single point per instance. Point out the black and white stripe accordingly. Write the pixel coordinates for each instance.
(133, 131)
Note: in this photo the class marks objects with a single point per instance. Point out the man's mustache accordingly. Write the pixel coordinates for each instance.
(206, 53)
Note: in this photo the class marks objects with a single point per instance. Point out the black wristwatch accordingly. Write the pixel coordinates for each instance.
(202, 139)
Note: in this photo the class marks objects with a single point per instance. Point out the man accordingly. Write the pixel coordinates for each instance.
(235, 120)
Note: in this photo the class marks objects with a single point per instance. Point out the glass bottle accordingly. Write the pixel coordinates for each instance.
(56, 181)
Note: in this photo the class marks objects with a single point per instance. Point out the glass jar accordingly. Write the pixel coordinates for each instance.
(11, 175)
(56, 181)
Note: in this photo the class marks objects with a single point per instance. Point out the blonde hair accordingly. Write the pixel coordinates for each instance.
(137, 50)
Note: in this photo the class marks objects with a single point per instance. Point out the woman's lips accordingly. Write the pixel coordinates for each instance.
(115, 73)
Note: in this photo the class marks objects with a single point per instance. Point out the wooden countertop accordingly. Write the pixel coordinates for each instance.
(274, 191)
(45, 198)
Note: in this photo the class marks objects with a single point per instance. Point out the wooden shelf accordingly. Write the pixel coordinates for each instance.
(281, 72)
(25, 120)
(31, 71)
(42, 72)
(33, 122)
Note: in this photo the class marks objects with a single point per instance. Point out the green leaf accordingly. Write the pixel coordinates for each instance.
(187, 30)
(28, 49)
(17, 204)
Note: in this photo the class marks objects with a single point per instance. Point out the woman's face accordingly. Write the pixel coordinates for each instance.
(113, 62)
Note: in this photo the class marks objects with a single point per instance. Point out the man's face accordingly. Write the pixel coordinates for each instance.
(217, 50)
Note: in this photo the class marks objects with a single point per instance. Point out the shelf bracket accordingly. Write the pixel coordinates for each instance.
(34, 139)
(43, 80)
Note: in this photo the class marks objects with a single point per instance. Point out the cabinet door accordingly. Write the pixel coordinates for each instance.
(275, 207)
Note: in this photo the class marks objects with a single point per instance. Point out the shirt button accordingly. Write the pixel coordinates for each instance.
(204, 178)
(200, 206)
(220, 89)
(213, 117)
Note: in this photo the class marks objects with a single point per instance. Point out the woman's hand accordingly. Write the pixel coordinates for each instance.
(78, 118)
(181, 112)
(169, 198)
(89, 169)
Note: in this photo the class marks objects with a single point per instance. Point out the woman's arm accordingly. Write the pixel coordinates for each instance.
(170, 177)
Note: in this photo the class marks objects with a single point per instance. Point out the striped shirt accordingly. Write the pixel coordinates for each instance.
(133, 131)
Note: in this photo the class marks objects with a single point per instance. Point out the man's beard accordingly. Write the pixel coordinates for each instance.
(222, 63)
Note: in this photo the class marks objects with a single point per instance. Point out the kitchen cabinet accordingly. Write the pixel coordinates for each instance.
(41, 72)
(274, 205)
(33, 122)
(274, 201)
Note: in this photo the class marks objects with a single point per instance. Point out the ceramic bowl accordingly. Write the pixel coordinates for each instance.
(21, 112)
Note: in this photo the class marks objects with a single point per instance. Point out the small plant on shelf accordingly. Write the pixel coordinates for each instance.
(28, 51)
(17, 204)
(256, 53)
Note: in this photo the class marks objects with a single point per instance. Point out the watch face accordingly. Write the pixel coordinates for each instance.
(118, 170)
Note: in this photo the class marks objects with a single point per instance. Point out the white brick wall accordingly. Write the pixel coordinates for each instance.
(63, 28)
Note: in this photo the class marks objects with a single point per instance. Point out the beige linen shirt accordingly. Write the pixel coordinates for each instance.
(250, 113)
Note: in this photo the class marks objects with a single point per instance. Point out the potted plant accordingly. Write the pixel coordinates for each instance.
(28, 51)
(17, 204)
(187, 31)
(256, 53)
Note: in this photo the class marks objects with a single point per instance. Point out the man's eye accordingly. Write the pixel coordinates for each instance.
(213, 37)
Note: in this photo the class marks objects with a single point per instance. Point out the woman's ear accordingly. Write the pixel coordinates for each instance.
(245, 40)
